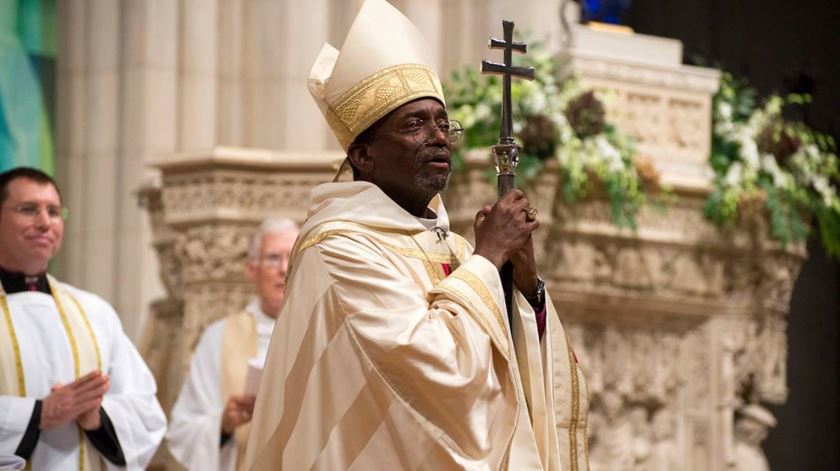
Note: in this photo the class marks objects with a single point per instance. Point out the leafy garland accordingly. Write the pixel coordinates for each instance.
(553, 118)
(762, 159)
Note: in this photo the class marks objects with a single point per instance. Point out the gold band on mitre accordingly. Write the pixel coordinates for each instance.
(378, 95)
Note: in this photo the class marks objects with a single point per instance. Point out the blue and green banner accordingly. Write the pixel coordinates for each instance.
(27, 83)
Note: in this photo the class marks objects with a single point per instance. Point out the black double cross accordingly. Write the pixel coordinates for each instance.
(507, 70)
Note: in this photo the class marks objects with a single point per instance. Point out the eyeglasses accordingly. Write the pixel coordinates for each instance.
(273, 260)
(423, 131)
(32, 211)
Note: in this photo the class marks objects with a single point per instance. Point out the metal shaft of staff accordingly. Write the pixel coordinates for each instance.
(506, 152)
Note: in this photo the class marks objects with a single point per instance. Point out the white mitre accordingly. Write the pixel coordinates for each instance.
(385, 62)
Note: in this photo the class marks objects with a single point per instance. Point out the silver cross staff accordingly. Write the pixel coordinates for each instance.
(506, 152)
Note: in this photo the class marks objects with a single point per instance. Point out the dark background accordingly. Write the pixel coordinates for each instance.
(781, 46)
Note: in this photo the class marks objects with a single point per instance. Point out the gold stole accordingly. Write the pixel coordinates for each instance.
(239, 344)
(83, 345)
(557, 405)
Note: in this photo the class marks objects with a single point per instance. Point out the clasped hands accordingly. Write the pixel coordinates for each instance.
(503, 233)
(78, 401)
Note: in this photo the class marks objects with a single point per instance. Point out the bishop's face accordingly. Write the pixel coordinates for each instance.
(31, 226)
(411, 166)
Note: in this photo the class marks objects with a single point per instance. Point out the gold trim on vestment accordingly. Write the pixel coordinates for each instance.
(82, 446)
(460, 248)
(378, 95)
(575, 406)
(75, 350)
(405, 251)
(89, 329)
(15, 346)
(482, 292)
(465, 300)
(69, 331)
(317, 239)
(71, 338)
(586, 428)
(433, 257)
(240, 343)
(436, 274)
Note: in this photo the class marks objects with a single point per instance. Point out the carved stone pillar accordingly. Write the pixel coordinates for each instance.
(204, 210)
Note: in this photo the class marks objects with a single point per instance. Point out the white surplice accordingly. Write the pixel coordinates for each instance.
(47, 358)
(379, 360)
(196, 419)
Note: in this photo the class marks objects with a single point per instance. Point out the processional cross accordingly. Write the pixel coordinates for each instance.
(506, 152)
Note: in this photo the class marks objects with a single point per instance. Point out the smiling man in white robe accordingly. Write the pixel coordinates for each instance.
(74, 392)
(393, 349)
(209, 422)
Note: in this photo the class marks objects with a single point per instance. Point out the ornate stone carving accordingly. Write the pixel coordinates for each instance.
(751, 429)
(664, 454)
(666, 108)
(680, 322)
(214, 252)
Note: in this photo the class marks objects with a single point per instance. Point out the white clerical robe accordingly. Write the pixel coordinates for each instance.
(196, 420)
(47, 355)
(380, 360)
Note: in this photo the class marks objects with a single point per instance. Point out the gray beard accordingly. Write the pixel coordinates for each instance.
(432, 184)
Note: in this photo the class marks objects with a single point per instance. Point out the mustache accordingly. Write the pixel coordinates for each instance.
(436, 155)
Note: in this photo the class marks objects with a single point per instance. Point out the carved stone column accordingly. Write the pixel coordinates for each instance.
(204, 210)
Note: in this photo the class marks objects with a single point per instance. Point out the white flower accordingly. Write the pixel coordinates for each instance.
(538, 101)
(734, 174)
(725, 111)
(482, 111)
(749, 152)
(725, 128)
(823, 187)
(563, 157)
(609, 154)
(769, 165)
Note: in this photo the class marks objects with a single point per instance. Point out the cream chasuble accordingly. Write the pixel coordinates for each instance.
(381, 361)
(46, 340)
(217, 371)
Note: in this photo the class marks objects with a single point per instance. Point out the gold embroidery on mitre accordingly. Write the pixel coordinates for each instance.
(378, 95)
(342, 134)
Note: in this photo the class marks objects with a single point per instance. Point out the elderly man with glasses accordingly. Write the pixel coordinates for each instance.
(393, 350)
(209, 422)
(74, 392)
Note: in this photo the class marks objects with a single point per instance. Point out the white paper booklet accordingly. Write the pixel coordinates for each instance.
(252, 377)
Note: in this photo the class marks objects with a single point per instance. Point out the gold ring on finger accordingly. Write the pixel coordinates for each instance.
(531, 214)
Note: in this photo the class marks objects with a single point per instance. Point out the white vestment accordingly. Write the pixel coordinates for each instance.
(380, 360)
(47, 355)
(196, 420)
